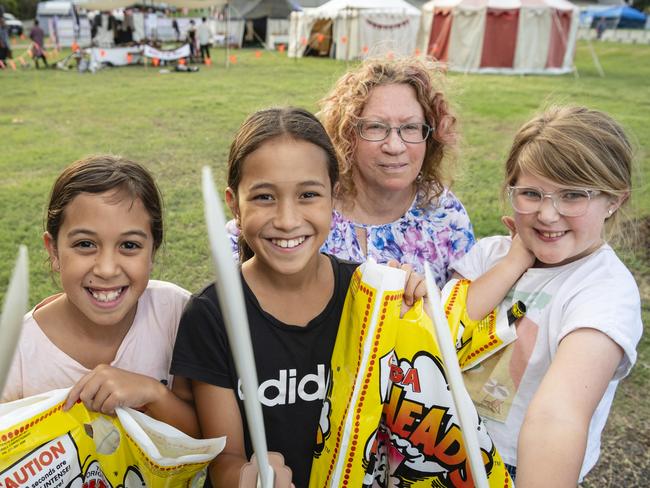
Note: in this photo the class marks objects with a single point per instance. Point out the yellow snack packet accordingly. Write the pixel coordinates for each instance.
(485, 350)
(43, 446)
(476, 340)
(389, 418)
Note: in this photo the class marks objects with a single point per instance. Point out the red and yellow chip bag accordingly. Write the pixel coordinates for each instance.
(43, 446)
(389, 418)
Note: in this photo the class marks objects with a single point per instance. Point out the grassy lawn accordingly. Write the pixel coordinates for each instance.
(177, 122)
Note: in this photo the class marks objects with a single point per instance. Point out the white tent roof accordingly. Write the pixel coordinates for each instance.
(333, 7)
(115, 4)
(498, 4)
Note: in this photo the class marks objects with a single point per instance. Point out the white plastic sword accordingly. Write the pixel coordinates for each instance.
(231, 300)
(13, 310)
(467, 415)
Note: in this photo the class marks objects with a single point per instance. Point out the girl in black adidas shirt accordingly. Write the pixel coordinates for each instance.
(282, 170)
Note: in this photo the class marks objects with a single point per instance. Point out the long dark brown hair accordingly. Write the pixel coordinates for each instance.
(265, 125)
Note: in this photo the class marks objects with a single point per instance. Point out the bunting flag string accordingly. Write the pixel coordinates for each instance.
(377, 25)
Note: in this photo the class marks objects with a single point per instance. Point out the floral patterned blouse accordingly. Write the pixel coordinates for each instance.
(439, 234)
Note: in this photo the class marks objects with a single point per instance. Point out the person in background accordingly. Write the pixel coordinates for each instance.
(203, 33)
(191, 39)
(5, 45)
(601, 26)
(177, 30)
(37, 36)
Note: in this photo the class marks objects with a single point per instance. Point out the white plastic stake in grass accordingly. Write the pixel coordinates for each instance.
(15, 306)
(231, 300)
(467, 415)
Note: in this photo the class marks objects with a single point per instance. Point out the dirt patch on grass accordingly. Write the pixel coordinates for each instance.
(624, 459)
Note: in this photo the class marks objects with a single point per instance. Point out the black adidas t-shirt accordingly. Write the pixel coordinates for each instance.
(292, 365)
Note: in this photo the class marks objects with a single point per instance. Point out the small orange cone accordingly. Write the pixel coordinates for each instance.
(258, 54)
(281, 47)
(181, 62)
(155, 61)
(129, 58)
(208, 61)
(233, 59)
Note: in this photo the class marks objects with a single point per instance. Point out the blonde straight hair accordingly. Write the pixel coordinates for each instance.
(578, 147)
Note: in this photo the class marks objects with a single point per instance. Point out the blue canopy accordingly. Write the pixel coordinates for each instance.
(628, 17)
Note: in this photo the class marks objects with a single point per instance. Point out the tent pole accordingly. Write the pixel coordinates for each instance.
(347, 44)
(227, 35)
(594, 57)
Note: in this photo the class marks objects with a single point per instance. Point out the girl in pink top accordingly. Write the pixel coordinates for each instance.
(110, 333)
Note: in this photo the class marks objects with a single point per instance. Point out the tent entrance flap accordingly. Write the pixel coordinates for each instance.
(320, 38)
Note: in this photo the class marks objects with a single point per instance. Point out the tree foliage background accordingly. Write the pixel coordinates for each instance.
(642, 5)
(22, 9)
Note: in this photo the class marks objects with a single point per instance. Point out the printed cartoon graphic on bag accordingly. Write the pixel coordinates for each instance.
(43, 446)
(491, 374)
(389, 417)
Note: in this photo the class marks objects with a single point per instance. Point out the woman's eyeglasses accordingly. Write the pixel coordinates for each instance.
(570, 202)
(412, 132)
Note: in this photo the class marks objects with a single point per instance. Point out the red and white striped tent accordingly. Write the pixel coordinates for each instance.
(501, 36)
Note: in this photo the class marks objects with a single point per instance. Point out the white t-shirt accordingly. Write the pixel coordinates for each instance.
(597, 292)
(203, 32)
(39, 366)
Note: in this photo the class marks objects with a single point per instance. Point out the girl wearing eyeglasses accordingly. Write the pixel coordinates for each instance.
(567, 176)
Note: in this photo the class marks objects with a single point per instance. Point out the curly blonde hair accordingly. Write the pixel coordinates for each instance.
(342, 107)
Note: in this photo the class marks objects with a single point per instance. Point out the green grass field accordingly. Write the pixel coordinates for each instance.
(175, 123)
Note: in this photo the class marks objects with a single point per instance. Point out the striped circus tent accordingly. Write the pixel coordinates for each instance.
(501, 36)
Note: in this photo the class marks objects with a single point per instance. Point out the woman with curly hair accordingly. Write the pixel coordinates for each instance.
(394, 134)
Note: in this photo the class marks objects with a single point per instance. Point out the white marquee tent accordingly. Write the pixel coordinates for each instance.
(115, 4)
(356, 28)
(503, 36)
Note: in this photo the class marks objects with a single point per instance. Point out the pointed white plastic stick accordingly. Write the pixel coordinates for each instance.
(231, 300)
(13, 310)
(467, 415)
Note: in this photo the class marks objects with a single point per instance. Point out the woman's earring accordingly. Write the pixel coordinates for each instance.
(419, 177)
(610, 211)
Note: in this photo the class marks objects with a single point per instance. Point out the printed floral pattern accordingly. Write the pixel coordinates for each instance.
(439, 234)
